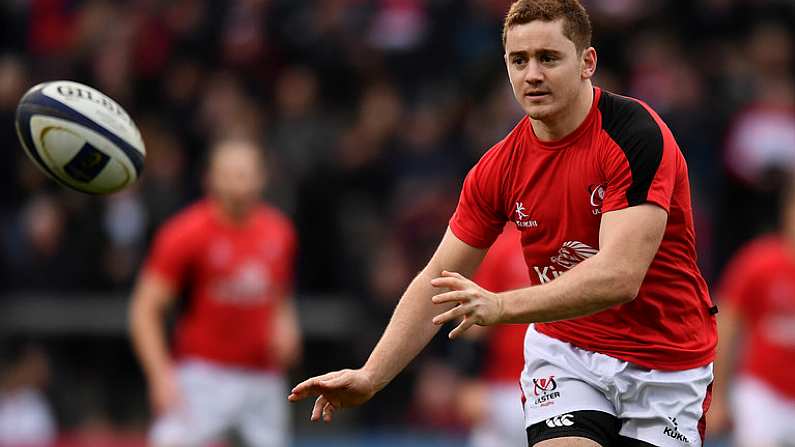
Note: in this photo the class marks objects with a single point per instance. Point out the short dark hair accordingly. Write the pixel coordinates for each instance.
(576, 24)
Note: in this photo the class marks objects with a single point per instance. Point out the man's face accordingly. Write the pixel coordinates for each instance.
(544, 67)
(236, 177)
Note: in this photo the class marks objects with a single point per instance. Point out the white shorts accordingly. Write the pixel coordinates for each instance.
(217, 398)
(504, 422)
(761, 415)
(663, 408)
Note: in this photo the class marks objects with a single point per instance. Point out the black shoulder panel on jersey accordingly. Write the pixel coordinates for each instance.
(633, 128)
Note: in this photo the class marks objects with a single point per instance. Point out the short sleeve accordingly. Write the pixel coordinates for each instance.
(172, 252)
(642, 161)
(479, 217)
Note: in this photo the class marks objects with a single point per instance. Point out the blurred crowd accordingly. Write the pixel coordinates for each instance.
(372, 111)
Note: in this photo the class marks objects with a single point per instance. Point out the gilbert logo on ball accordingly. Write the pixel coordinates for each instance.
(80, 137)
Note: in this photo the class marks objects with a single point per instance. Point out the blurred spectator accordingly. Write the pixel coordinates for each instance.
(757, 338)
(12, 85)
(51, 28)
(759, 155)
(243, 34)
(226, 111)
(35, 251)
(762, 138)
(301, 134)
(26, 419)
(125, 225)
(399, 25)
(164, 189)
(347, 197)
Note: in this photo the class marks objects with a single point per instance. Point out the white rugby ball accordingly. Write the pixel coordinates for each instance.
(80, 137)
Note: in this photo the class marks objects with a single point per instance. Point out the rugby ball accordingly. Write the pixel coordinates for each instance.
(80, 137)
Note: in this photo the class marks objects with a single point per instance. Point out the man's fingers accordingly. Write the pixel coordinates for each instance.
(335, 382)
(312, 386)
(304, 390)
(317, 410)
(328, 412)
(452, 314)
(449, 282)
(466, 324)
(455, 295)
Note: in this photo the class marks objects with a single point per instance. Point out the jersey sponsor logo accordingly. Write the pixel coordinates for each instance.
(564, 420)
(570, 254)
(596, 194)
(523, 219)
(672, 431)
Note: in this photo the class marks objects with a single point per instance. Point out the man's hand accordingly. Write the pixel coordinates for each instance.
(164, 394)
(476, 305)
(338, 389)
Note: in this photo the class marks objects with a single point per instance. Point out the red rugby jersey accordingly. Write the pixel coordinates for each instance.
(760, 283)
(622, 155)
(502, 269)
(236, 276)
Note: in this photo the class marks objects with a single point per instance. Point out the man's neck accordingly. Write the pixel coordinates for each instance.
(232, 217)
(568, 120)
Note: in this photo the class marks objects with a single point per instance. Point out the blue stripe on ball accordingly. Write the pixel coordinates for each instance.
(51, 107)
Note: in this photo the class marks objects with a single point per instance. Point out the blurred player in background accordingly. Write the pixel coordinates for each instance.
(234, 254)
(492, 402)
(757, 295)
(624, 336)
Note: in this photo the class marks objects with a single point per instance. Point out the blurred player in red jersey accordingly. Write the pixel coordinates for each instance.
(239, 331)
(623, 333)
(757, 295)
(492, 401)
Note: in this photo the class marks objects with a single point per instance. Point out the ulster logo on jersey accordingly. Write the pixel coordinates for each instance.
(522, 219)
(544, 385)
(544, 390)
(596, 195)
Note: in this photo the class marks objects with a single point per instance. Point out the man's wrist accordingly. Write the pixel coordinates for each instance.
(376, 380)
(502, 312)
(513, 306)
(507, 306)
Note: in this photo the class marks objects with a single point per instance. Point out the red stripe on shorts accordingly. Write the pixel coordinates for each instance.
(702, 423)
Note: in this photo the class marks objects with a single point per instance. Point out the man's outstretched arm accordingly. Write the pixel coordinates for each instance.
(407, 333)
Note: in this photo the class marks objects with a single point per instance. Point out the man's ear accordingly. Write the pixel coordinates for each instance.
(588, 63)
